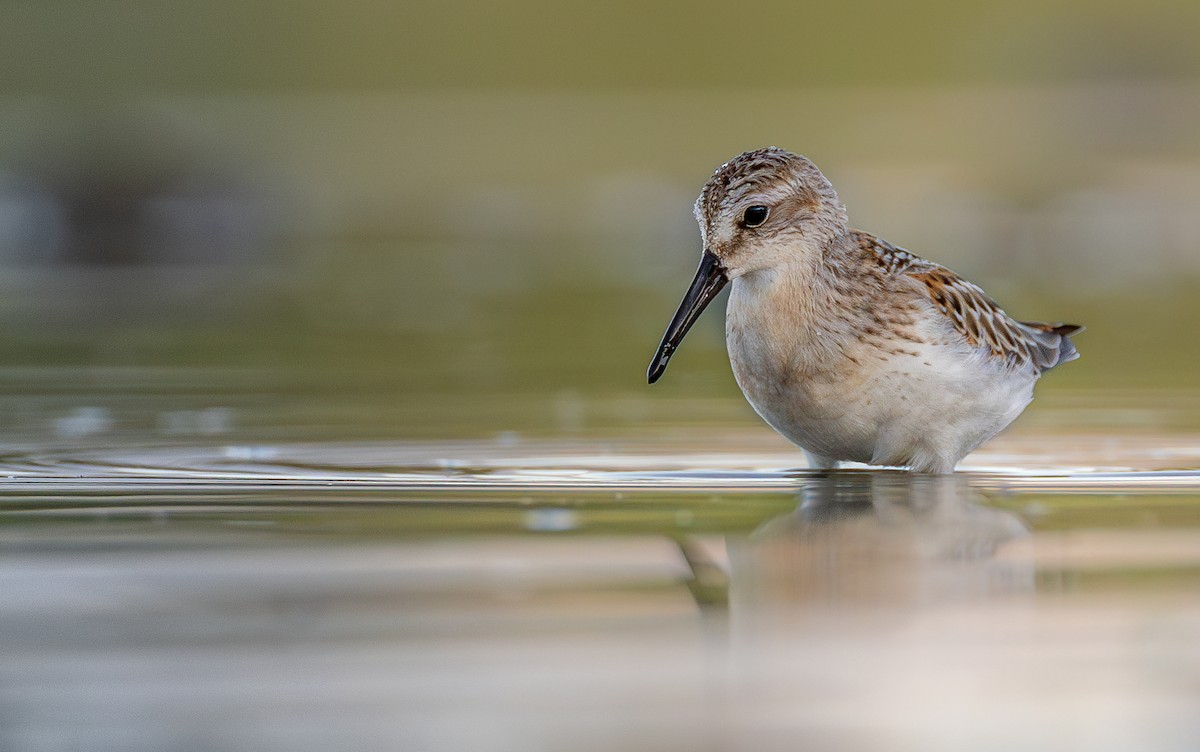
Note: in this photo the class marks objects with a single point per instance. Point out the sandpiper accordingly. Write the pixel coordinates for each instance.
(853, 348)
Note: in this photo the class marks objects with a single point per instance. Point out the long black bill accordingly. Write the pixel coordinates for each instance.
(709, 280)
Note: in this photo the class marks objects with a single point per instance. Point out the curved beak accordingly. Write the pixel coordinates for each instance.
(709, 280)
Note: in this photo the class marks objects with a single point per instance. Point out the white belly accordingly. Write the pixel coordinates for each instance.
(925, 408)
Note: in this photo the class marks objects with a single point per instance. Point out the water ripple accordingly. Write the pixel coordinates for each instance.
(457, 467)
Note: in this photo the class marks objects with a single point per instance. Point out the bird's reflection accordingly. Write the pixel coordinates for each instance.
(867, 541)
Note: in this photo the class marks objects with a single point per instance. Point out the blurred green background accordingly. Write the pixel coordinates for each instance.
(468, 218)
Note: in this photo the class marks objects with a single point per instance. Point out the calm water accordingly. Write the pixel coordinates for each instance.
(179, 572)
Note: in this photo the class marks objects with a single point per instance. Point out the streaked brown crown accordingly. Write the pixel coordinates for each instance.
(754, 172)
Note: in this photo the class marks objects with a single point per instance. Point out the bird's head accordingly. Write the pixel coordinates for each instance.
(759, 211)
(765, 208)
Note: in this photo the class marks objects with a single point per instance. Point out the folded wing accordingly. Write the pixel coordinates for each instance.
(977, 317)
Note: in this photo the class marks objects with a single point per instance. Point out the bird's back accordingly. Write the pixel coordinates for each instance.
(972, 313)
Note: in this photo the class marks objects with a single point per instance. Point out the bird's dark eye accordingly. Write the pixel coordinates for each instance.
(755, 216)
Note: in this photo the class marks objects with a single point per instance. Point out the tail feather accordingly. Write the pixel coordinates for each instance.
(1051, 343)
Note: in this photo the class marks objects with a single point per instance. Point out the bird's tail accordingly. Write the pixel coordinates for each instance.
(1052, 342)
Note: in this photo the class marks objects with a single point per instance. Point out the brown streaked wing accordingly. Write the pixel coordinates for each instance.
(975, 315)
(986, 325)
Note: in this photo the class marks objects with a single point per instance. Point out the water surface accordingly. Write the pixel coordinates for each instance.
(206, 585)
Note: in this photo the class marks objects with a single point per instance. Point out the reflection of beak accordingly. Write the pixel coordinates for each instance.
(709, 280)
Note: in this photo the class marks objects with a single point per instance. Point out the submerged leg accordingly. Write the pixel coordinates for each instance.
(820, 462)
(932, 462)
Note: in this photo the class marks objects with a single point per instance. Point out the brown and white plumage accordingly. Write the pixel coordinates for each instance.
(976, 316)
(853, 348)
